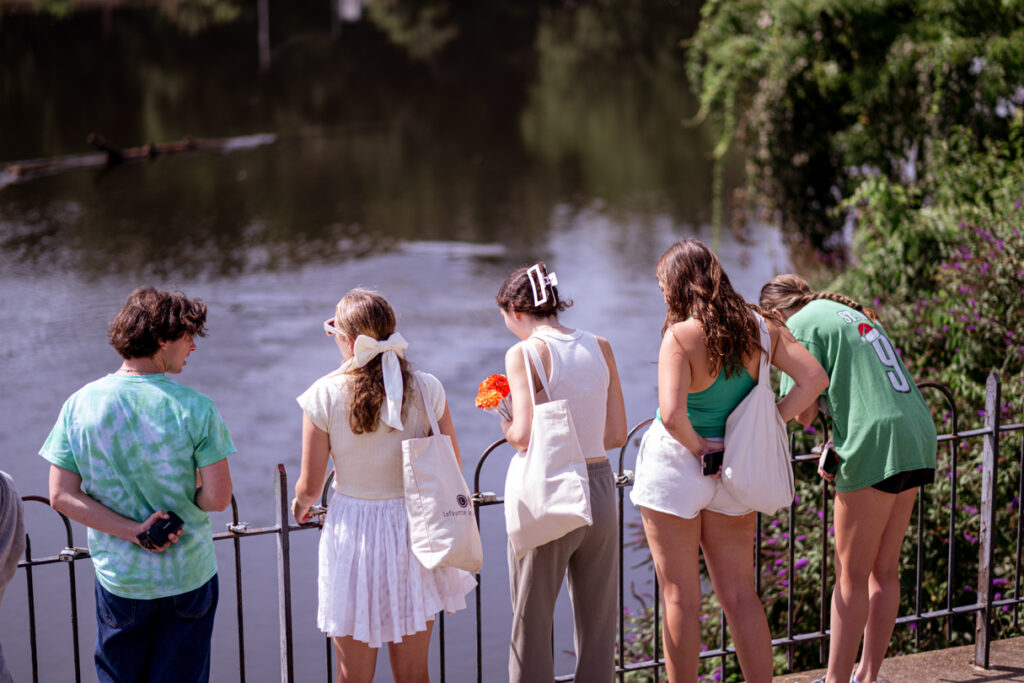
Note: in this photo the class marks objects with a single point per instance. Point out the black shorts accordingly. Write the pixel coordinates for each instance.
(898, 483)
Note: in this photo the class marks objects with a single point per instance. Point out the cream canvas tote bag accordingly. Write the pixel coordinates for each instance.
(756, 469)
(547, 489)
(442, 524)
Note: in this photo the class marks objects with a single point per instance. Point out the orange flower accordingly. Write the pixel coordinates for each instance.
(492, 390)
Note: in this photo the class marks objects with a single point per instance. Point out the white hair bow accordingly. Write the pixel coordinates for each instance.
(366, 349)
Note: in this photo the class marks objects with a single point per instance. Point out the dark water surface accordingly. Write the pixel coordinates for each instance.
(556, 138)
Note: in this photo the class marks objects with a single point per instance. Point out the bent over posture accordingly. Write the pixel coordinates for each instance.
(128, 449)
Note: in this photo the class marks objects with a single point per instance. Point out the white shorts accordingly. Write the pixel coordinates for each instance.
(668, 479)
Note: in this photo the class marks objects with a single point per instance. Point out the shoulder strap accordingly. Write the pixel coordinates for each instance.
(421, 389)
(530, 354)
(766, 346)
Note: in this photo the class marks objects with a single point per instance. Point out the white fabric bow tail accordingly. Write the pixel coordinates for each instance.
(364, 350)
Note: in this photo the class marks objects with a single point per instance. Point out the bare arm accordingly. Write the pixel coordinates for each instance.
(517, 431)
(68, 498)
(809, 378)
(214, 494)
(447, 427)
(673, 386)
(615, 412)
(316, 451)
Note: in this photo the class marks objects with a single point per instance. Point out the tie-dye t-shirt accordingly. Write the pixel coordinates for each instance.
(136, 441)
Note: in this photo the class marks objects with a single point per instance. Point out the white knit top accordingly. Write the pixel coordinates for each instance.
(368, 465)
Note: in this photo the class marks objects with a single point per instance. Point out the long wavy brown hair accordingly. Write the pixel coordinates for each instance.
(363, 311)
(694, 284)
(791, 292)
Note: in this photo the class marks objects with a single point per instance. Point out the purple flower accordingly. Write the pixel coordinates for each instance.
(970, 538)
(998, 581)
(969, 589)
(970, 509)
(831, 530)
(1016, 205)
(821, 515)
(800, 538)
(913, 626)
(810, 429)
(801, 563)
(778, 562)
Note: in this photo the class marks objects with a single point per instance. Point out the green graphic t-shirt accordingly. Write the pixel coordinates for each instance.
(880, 421)
(137, 441)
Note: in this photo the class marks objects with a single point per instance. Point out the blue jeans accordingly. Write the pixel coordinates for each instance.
(166, 639)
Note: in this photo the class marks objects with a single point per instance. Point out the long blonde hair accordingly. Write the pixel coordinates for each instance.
(363, 311)
(791, 292)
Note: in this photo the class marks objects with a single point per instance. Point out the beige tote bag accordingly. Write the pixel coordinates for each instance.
(442, 526)
(756, 469)
(547, 489)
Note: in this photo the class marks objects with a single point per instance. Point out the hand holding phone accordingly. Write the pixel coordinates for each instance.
(828, 463)
(711, 463)
(159, 533)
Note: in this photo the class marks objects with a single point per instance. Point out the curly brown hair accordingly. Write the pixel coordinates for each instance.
(789, 291)
(150, 316)
(363, 311)
(694, 284)
(516, 294)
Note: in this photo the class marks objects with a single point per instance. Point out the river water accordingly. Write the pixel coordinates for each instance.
(428, 180)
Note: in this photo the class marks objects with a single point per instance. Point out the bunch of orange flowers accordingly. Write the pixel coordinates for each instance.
(493, 396)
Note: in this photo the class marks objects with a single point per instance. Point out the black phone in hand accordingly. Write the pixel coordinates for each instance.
(711, 462)
(157, 535)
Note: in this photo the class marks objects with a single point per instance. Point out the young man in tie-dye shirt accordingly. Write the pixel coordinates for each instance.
(125, 450)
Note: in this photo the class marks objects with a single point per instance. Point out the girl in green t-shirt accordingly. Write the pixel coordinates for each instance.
(885, 439)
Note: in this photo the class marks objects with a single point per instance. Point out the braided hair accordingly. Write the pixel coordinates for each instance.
(789, 291)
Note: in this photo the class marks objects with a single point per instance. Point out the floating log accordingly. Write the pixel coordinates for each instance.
(111, 155)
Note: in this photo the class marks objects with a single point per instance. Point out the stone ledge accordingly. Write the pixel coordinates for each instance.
(943, 666)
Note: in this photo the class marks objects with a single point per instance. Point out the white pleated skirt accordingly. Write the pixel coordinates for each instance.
(371, 586)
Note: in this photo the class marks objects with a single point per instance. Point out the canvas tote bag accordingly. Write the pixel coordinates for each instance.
(547, 487)
(442, 526)
(756, 469)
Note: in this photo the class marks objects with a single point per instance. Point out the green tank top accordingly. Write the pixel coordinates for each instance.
(709, 409)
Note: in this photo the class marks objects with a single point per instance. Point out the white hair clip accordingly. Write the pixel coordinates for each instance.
(540, 284)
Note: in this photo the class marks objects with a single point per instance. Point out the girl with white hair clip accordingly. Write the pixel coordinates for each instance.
(579, 368)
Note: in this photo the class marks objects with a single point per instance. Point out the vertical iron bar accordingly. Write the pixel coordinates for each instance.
(31, 609)
(990, 452)
(237, 541)
(284, 575)
(74, 600)
(1020, 524)
(330, 667)
(919, 572)
(622, 580)
(440, 639)
(479, 578)
(823, 589)
(657, 630)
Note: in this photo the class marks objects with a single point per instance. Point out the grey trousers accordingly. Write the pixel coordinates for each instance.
(590, 555)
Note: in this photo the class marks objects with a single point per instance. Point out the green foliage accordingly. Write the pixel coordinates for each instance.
(943, 260)
(820, 93)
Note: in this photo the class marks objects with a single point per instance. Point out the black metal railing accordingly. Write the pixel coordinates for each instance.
(983, 607)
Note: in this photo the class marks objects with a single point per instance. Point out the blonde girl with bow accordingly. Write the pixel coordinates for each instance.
(371, 588)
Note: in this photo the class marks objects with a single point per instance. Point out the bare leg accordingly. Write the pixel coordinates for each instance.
(410, 659)
(884, 589)
(674, 542)
(728, 545)
(357, 661)
(860, 519)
